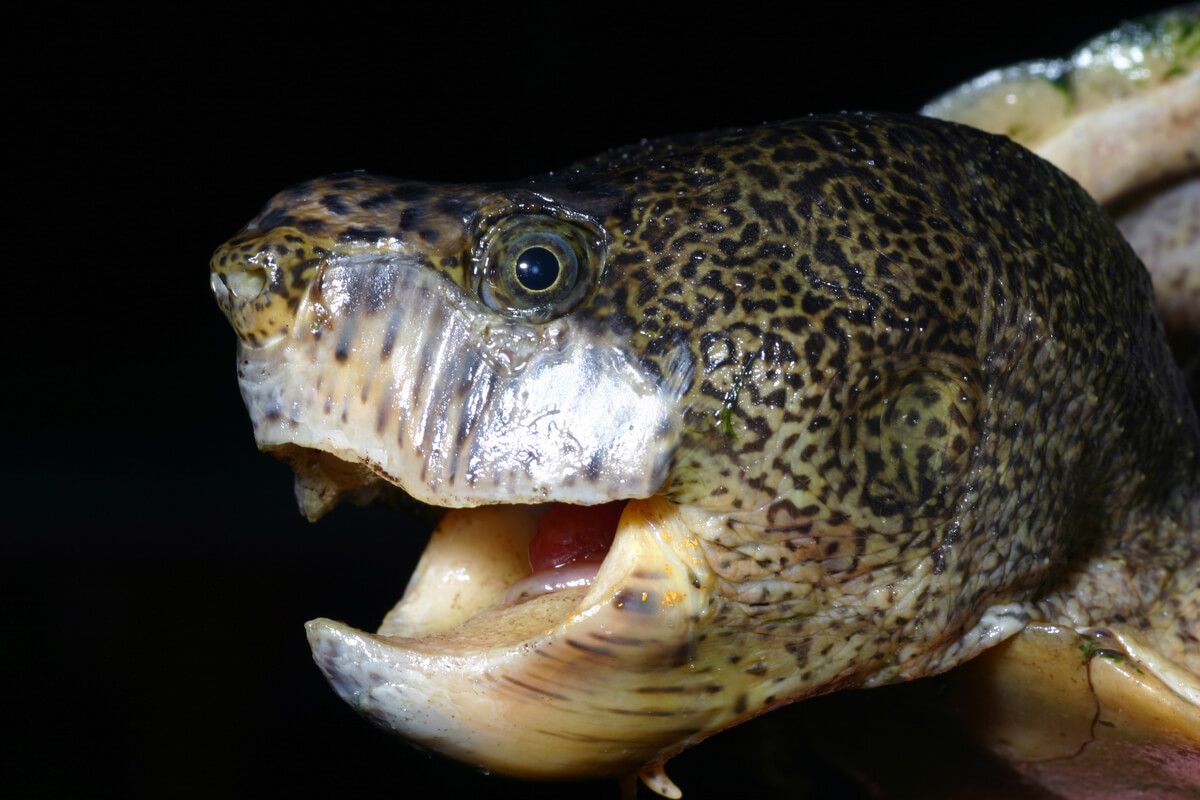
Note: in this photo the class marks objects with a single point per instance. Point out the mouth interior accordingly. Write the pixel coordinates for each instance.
(566, 552)
(500, 566)
(490, 565)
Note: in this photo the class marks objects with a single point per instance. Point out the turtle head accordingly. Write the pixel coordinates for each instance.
(865, 385)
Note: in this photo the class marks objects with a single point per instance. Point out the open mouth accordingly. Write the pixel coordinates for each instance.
(542, 641)
(568, 549)
(496, 558)
(546, 632)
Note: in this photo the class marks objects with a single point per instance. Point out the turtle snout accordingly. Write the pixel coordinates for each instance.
(259, 280)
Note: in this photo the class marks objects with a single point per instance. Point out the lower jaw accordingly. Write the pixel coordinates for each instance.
(596, 679)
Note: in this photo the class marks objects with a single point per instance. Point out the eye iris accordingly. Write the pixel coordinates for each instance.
(537, 269)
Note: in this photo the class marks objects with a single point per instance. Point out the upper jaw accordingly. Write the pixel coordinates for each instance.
(456, 405)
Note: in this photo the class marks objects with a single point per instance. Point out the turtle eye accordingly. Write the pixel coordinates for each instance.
(537, 267)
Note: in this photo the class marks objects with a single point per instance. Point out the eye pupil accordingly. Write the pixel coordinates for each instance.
(537, 269)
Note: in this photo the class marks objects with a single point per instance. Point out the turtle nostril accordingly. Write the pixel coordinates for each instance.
(245, 283)
(249, 276)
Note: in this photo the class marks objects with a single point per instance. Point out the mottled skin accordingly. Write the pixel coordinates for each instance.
(828, 255)
(927, 389)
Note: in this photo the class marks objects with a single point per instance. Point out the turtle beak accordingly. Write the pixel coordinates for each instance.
(596, 680)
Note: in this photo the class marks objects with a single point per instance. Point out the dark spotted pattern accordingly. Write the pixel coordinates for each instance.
(917, 343)
(929, 376)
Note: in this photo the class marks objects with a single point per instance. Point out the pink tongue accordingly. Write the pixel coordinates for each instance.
(568, 548)
(570, 534)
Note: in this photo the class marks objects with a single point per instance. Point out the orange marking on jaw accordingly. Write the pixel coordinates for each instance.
(671, 598)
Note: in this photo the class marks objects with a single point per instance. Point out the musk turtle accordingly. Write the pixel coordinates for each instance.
(731, 420)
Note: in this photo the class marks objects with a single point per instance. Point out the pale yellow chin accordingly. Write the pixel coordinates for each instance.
(603, 679)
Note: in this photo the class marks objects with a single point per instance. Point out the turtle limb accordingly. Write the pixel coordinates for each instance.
(1101, 698)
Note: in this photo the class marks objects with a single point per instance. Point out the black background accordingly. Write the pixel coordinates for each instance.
(155, 570)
